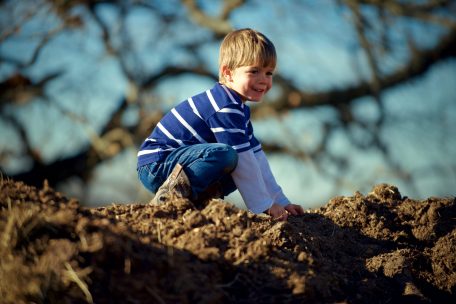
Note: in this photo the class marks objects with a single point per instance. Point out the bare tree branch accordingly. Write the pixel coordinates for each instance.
(220, 24)
(19, 89)
(418, 64)
(424, 11)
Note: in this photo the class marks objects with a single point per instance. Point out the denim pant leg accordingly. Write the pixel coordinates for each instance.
(204, 164)
(151, 176)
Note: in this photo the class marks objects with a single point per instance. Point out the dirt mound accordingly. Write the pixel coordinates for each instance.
(363, 249)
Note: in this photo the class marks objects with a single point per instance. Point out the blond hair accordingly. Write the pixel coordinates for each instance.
(246, 47)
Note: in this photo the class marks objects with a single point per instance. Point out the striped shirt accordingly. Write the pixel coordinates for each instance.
(216, 115)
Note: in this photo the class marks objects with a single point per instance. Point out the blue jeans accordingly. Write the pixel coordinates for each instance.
(204, 164)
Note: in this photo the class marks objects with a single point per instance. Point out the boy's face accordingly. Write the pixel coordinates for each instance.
(251, 82)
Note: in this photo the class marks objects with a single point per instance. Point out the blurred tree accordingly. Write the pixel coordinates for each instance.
(173, 41)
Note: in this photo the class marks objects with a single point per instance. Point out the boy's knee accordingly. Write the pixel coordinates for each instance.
(231, 159)
(228, 156)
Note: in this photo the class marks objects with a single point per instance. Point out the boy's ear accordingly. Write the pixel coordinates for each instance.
(226, 73)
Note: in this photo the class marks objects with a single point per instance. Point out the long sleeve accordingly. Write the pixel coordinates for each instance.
(249, 180)
(275, 191)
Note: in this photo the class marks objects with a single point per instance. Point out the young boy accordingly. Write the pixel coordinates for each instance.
(205, 145)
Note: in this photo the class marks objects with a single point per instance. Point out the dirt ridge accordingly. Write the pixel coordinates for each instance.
(376, 248)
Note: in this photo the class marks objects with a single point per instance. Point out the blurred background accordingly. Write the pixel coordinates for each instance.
(364, 93)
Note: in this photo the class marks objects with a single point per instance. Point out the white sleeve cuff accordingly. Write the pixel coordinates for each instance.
(281, 199)
(260, 207)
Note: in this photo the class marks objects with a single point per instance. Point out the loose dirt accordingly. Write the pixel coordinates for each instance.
(374, 248)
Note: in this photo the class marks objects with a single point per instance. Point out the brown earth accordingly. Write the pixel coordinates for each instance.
(374, 248)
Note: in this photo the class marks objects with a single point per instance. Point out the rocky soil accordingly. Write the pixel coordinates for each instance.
(374, 248)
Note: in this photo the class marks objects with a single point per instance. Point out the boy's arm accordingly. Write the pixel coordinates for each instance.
(249, 180)
(275, 191)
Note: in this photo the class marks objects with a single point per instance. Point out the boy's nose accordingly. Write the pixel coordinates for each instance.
(264, 78)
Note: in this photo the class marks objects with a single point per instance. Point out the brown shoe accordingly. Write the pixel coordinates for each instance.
(176, 185)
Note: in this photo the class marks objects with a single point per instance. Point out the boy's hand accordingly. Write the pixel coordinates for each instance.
(277, 212)
(280, 213)
(294, 209)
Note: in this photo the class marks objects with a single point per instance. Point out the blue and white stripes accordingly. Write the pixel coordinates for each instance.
(216, 115)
